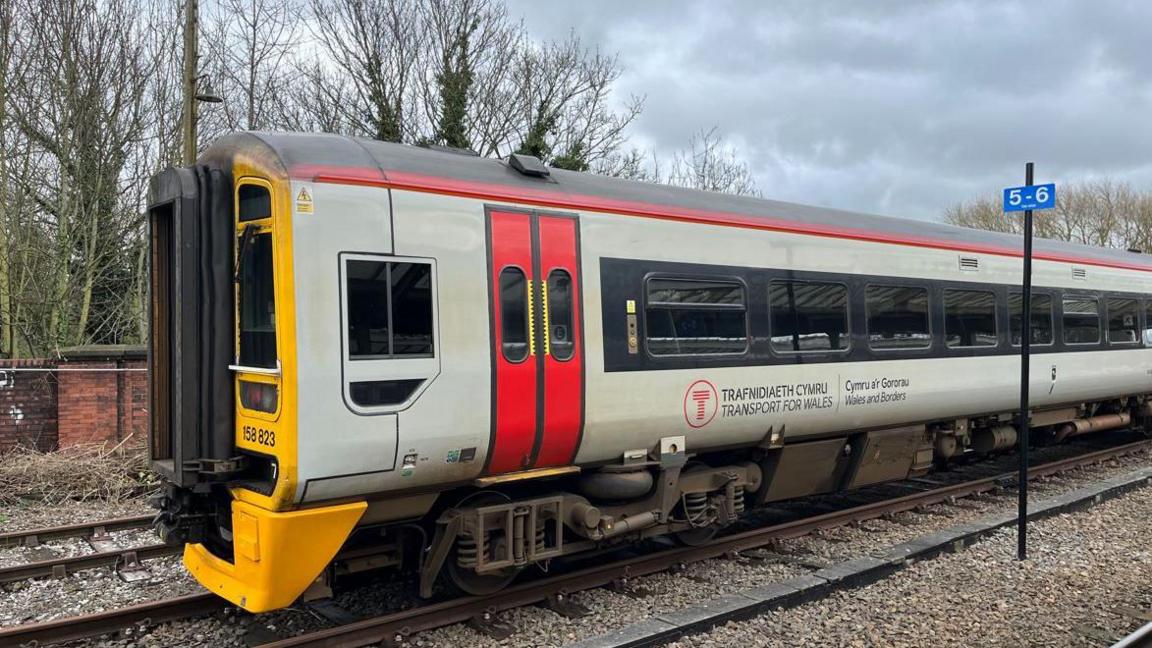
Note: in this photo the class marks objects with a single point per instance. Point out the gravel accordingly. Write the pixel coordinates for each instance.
(70, 547)
(537, 626)
(35, 515)
(92, 590)
(1086, 571)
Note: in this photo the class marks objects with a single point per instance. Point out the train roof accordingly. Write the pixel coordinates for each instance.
(340, 159)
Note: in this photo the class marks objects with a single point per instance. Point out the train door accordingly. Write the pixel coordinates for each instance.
(536, 331)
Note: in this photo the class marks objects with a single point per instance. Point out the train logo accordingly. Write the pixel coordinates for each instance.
(700, 403)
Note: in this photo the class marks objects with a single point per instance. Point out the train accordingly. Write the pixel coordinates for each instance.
(370, 355)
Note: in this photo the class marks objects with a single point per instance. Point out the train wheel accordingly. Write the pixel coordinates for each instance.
(461, 577)
(692, 506)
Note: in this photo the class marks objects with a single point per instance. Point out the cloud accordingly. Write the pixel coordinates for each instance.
(895, 107)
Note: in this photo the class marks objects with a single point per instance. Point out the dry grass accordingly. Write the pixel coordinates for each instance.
(79, 473)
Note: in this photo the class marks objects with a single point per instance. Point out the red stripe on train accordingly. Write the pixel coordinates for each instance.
(559, 200)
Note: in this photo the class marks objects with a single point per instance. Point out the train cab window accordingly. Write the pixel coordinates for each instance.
(559, 313)
(1041, 319)
(257, 300)
(255, 202)
(389, 309)
(969, 318)
(897, 317)
(1123, 321)
(808, 316)
(695, 317)
(1081, 320)
(411, 302)
(514, 314)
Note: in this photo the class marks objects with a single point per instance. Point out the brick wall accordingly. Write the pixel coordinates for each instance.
(91, 395)
(28, 404)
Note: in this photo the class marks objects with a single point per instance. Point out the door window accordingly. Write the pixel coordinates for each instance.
(560, 341)
(514, 314)
(257, 301)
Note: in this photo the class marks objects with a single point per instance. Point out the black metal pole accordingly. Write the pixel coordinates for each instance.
(1025, 351)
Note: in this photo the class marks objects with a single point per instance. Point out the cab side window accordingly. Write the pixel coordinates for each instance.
(389, 309)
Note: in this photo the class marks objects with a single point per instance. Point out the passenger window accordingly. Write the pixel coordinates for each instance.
(560, 315)
(389, 309)
(897, 317)
(255, 202)
(514, 314)
(257, 302)
(969, 318)
(1081, 320)
(1123, 321)
(808, 316)
(1148, 323)
(1041, 320)
(695, 317)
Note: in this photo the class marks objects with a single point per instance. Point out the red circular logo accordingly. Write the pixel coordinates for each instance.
(700, 403)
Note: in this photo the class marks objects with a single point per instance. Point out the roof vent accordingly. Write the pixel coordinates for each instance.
(529, 165)
(1079, 273)
(969, 264)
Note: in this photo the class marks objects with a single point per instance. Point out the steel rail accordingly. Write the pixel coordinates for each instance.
(1140, 638)
(33, 537)
(111, 621)
(396, 626)
(60, 567)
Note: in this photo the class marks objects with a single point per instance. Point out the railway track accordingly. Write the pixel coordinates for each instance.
(108, 553)
(552, 591)
(124, 560)
(93, 531)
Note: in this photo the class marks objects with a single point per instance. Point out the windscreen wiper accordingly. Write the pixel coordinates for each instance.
(246, 240)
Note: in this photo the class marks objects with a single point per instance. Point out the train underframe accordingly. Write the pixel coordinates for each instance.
(477, 540)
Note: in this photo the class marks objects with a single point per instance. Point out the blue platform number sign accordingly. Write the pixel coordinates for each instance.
(1034, 197)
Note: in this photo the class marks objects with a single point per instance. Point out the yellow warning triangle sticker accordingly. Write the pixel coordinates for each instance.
(304, 201)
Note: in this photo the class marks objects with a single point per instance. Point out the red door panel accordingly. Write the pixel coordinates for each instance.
(563, 337)
(516, 369)
(537, 337)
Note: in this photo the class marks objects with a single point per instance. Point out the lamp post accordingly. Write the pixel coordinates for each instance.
(192, 95)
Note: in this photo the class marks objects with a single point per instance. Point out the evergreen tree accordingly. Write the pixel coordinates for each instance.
(455, 81)
(535, 142)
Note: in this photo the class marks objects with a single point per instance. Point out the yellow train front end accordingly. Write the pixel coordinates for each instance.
(222, 365)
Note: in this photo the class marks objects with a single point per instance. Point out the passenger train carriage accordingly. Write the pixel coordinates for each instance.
(369, 354)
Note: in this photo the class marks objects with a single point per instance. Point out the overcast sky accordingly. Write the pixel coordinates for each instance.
(894, 107)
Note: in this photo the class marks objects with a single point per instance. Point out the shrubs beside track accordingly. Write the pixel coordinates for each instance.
(77, 473)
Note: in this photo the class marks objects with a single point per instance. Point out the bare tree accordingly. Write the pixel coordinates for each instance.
(7, 44)
(1102, 213)
(79, 101)
(249, 45)
(464, 68)
(375, 43)
(710, 164)
(90, 106)
(561, 113)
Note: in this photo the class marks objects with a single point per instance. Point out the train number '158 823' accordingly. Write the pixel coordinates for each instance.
(259, 435)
